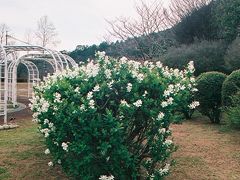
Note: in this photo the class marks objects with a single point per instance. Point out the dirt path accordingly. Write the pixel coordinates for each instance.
(204, 152)
(22, 98)
(19, 115)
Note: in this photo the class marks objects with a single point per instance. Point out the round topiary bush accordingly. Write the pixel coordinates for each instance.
(230, 87)
(110, 118)
(209, 87)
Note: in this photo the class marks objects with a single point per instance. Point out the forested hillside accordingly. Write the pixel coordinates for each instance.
(204, 31)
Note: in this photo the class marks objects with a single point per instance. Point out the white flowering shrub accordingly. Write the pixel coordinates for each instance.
(109, 119)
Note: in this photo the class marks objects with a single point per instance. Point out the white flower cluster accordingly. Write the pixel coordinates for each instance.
(65, 146)
(77, 89)
(161, 171)
(194, 104)
(109, 84)
(40, 104)
(47, 151)
(159, 64)
(91, 104)
(101, 54)
(138, 76)
(168, 102)
(124, 103)
(45, 131)
(145, 94)
(57, 97)
(129, 87)
(50, 164)
(104, 177)
(168, 142)
(169, 91)
(162, 130)
(165, 170)
(108, 73)
(138, 103)
(96, 88)
(149, 65)
(160, 116)
(91, 101)
(91, 69)
(89, 95)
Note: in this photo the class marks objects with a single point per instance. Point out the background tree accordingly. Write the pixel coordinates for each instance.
(46, 36)
(143, 29)
(232, 56)
(4, 29)
(191, 20)
(46, 33)
(180, 9)
(227, 18)
(29, 36)
(207, 56)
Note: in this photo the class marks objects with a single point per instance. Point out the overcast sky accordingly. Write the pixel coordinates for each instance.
(77, 21)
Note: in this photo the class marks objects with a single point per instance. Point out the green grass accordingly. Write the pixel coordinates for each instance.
(201, 145)
(4, 174)
(22, 154)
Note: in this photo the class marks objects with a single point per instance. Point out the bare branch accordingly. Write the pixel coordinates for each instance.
(150, 19)
(4, 28)
(46, 34)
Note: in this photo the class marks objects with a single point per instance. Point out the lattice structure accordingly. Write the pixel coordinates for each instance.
(11, 56)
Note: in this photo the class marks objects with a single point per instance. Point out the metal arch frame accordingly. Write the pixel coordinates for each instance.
(33, 78)
(4, 78)
(42, 57)
(58, 62)
(50, 61)
(70, 60)
(58, 56)
(8, 69)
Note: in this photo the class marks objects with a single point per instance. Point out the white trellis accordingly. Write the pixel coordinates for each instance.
(33, 78)
(11, 56)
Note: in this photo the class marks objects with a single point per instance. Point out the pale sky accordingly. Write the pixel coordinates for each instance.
(77, 21)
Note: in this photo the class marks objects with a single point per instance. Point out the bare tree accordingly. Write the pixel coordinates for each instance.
(150, 19)
(3, 32)
(29, 36)
(178, 9)
(46, 33)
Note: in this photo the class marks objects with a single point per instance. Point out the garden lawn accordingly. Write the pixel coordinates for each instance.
(204, 152)
(22, 154)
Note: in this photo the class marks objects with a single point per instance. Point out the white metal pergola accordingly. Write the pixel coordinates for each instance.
(11, 56)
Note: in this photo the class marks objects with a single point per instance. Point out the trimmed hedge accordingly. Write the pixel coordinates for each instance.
(233, 112)
(207, 56)
(209, 87)
(230, 87)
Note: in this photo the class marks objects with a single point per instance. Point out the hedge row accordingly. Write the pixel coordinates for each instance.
(217, 91)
